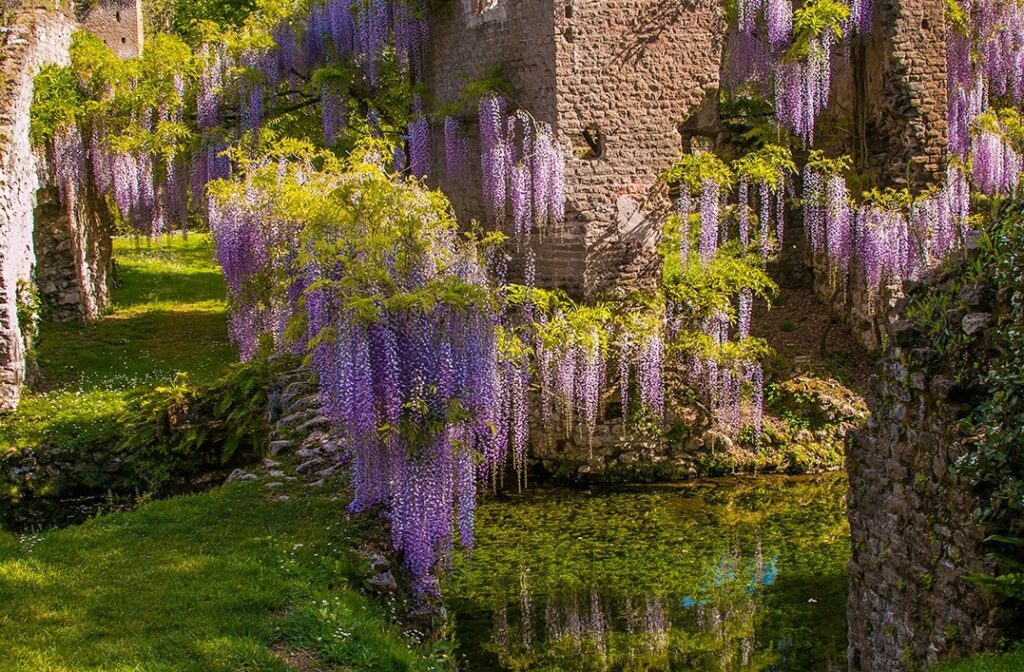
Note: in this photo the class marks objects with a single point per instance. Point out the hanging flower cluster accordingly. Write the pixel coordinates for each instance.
(995, 162)
(642, 352)
(716, 291)
(572, 352)
(720, 367)
(456, 149)
(767, 170)
(400, 323)
(890, 236)
(512, 426)
(984, 62)
(792, 56)
(703, 177)
(523, 169)
(154, 156)
(828, 212)
(136, 157)
(419, 142)
(802, 87)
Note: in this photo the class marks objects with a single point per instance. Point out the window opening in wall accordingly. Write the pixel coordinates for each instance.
(117, 16)
(568, 11)
(484, 6)
(593, 140)
(122, 40)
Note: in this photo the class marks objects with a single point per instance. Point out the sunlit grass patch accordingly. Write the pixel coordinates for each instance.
(216, 581)
(63, 419)
(168, 317)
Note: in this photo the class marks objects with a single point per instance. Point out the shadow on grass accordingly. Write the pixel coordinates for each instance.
(141, 285)
(144, 349)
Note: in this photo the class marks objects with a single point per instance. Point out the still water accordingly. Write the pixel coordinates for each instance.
(723, 574)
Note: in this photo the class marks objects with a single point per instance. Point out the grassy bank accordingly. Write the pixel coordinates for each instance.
(239, 578)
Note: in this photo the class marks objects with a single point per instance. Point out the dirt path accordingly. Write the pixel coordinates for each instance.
(793, 327)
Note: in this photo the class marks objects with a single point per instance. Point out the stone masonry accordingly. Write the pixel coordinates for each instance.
(629, 73)
(641, 77)
(73, 254)
(63, 248)
(914, 540)
(36, 38)
(906, 86)
(118, 23)
(888, 104)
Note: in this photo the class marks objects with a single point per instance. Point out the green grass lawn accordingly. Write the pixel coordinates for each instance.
(227, 580)
(231, 579)
(1010, 662)
(168, 317)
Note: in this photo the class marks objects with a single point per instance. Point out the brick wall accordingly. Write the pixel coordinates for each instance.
(636, 70)
(888, 102)
(118, 23)
(906, 81)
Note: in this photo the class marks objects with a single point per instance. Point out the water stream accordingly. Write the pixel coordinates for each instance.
(722, 574)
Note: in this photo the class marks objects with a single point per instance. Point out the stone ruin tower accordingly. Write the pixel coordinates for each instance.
(118, 23)
(627, 84)
(48, 250)
(618, 80)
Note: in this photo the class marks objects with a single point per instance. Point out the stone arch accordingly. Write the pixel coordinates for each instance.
(64, 251)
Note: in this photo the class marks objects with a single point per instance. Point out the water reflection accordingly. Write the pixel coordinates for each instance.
(730, 578)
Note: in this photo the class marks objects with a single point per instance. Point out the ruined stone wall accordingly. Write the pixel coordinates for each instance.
(906, 84)
(57, 242)
(635, 71)
(37, 37)
(914, 540)
(631, 71)
(888, 103)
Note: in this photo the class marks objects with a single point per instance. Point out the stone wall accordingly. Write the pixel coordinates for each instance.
(914, 541)
(641, 77)
(37, 37)
(73, 253)
(888, 104)
(632, 72)
(906, 85)
(466, 44)
(58, 242)
(636, 71)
